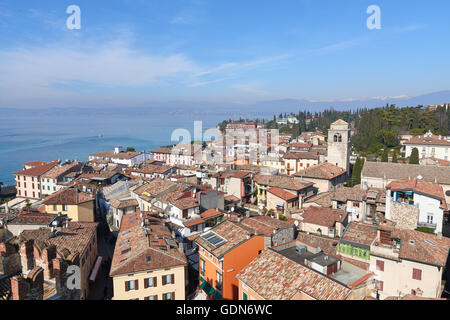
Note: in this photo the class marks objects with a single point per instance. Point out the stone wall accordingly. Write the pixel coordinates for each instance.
(405, 215)
(283, 235)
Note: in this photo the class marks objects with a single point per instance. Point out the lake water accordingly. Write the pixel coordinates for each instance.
(74, 135)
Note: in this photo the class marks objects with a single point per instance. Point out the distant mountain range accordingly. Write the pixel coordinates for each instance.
(262, 109)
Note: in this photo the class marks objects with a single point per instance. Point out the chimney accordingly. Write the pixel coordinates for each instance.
(19, 288)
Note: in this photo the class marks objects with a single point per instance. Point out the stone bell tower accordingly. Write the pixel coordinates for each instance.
(339, 144)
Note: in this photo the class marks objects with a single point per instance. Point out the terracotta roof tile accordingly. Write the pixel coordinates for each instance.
(282, 194)
(264, 225)
(323, 216)
(275, 277)
(37, 171)
(325, 170)
(70, 196)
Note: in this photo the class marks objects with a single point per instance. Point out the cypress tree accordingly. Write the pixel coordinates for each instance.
(385, 156)
(414, 157)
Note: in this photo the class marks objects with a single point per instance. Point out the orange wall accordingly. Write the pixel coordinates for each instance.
(236, 260)
(211, 267)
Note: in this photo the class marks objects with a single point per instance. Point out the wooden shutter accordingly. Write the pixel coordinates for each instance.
(380, 265)
(172, 278)
(380, 285)
(156, 297)
(146, 283)
(154, 281)
(417, 274)
(172, 296)
(164, 280)
(127, 286)
(136, 284)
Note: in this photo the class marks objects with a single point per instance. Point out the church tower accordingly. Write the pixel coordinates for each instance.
(339, 144)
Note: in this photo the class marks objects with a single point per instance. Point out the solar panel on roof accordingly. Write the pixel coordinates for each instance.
(213, 239)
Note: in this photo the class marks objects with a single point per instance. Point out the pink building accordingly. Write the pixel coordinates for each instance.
(28, 180)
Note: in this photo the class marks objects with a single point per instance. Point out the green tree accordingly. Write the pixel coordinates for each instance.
(130, 149)
(394, 157)
(385, 156)
(414, 157)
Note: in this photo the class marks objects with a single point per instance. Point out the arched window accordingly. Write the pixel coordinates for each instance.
(335, 138)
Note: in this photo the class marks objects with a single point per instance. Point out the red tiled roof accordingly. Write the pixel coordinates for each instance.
(76, 238)
(70, 196)
(282, 194)
(275, 277)
(136, 252)
(264, 225)
(324, 170)
(210, 214)
(194, 222)
(359, 232)
(36, 163)
(428, 140)
(112, 154)
(301, 155)
(418, 186)
(323, 216)
(37, 171)
(283, 182)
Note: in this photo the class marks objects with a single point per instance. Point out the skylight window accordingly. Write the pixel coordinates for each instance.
(213, 239)
(125, 242)
(125, 251)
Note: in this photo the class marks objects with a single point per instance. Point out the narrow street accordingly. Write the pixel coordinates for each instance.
(102, 289)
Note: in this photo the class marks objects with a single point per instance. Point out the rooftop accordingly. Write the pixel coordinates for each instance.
(283, 182)
(138, 249)
(323, 216)
(429, 139)
(264, 225)
(38, 170)
(324, 170)
(113, 154)
(282, 194)
(76, 238)
(400, 171)
(70, 196)
(360, 233)
(301, 155)
(233, 233)
(418, 186)
(276, 277)
(58, 171)
(344, 194)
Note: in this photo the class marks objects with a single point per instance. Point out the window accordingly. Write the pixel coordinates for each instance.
(380, 285)
(150, 282)
(55, 207)
(244, 296)
(64, 207)
(131, 285)
(356, 204)
(48, 187)
(430, 218)
(169, 296)
(168, 279)
(380, 265)
(202, 266)
(154, 297)
(417, 274)
(54, 188)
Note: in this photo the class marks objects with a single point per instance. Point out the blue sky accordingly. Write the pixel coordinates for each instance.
(132, 52)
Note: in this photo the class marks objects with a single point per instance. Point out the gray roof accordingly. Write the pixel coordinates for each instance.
(400, 171)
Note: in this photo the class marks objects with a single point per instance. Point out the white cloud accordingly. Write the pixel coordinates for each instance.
(41, 70)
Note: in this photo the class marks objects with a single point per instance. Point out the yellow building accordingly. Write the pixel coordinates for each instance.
(148, 264)
(78, 206)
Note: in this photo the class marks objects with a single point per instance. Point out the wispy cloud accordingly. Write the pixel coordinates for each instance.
(251, 88)
(409, 28)
(334, 47)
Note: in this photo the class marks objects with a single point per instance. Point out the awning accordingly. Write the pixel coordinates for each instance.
(94, 272)
(206, 287)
